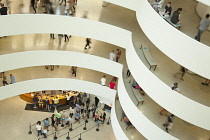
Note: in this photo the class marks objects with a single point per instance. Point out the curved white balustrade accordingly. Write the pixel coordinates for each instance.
(141, 123)
(181, 106)
(58, 84)
(178, 46)
(119, 134)
(66, 58)
(174, 102)
(27, 24)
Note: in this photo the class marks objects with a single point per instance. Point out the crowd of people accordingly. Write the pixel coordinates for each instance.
(81, 108)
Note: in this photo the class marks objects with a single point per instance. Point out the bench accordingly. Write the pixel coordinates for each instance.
(178, 26)
(160, 9)
(148, 57)
(137, 93)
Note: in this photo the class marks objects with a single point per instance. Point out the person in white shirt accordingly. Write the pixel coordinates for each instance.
(39, 128)
(112, 55)
(68, 99)
(103, 81)
(71, 109)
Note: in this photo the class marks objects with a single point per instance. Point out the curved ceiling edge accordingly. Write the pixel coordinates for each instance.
(119, 134)
(183, 49)
(67, 58)
(141, 122)
(31, 24)
(171, 40)
(57, 84)
(136, 66)
(162, 94)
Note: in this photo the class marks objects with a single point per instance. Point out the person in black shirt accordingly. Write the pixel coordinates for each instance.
(167, 11)
(176, 16)
(3, 10)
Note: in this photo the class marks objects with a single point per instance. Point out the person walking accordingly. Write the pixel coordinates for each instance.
(169, 124)
(46, 5)
(52, 36)
(44, 132)
(60, 36)
(34, 99)
(46, 123)
(128, 73)
(112, 85)
(104, 117)
(58, 117)
(84, 97)
(56, 101)
(62, 2)
(99, 120)
(112, 55)
(40, 102)
(47, 105)
(12, 79)
(96, 116)
(96, 101)
(71, 109)
(74, 71)
(68, 99)
(68, 120)
(203, 26)
(33, 6)
(50, 104)
(103, 81)
(82, 108)
(183, 70)
(118, 55)
(66, 37)
(67, 8)
(71, 7)
(78, 108)
(87, 103)
(77, 117)
(39, 128)
(53, 119)
(5, 81)
(88, 42)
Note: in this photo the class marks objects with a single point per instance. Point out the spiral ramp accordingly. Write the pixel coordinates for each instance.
(110, 34)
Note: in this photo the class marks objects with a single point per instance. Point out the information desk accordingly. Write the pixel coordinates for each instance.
(28, 97)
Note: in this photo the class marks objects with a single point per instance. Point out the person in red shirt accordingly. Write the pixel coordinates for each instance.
(112, 85)
(118, 55)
